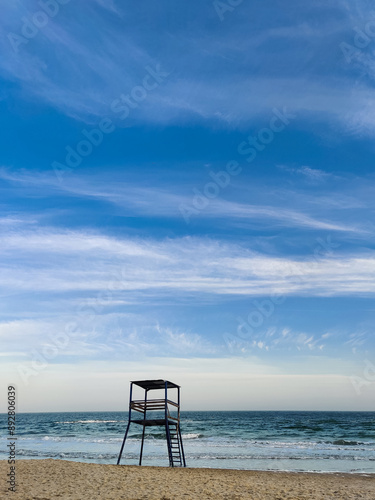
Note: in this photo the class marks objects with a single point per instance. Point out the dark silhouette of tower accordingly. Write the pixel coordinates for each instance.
(170, 419)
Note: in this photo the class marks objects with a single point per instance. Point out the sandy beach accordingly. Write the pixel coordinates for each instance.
(49, 479)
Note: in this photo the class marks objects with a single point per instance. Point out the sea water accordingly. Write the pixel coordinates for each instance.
(264, 440)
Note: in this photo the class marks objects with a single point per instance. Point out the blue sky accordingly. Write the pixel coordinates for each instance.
(187, 193)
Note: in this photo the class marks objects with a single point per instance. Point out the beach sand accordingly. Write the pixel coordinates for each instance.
(49, 479)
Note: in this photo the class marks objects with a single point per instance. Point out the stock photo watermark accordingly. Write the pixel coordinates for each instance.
(58, 344)
(122, 107)
(32, 25)
(222, 8)
(211, 190)
(262, 310)
(250, 148)
(361, 40)
(42, 357)
(11, 439)
(366, 379)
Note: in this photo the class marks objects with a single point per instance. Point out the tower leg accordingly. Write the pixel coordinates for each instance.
(182, 446)
(143, 439)
(168, 436)
(123, 443)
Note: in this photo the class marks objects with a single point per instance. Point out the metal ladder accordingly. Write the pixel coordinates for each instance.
(175, 448)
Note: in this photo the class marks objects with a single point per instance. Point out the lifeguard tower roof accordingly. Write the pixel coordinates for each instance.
(149, 385)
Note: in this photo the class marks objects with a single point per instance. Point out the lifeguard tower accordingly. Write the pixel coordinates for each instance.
(169, 417)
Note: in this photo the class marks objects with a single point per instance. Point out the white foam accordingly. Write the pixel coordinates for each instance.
(191, 436)
(90, 422)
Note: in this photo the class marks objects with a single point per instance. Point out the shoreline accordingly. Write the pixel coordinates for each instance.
(54, 478)
(271, 471)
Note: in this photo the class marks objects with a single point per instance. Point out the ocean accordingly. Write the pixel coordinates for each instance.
(257, 440)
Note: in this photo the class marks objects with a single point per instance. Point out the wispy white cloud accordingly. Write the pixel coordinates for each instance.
(179, 265)
(110, 336)
(109, 5)
(185, 343)
(166, 201)
(278, 339)
(100, 68)
(14, 221)
(311, 174)
(280, 216)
